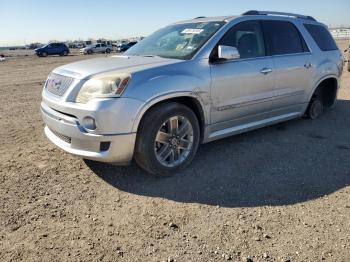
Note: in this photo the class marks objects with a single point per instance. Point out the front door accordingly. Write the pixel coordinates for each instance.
(97, 48)
(242, 89)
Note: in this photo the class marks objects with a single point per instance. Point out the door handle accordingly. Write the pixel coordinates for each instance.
(308, 65)
(265, 71)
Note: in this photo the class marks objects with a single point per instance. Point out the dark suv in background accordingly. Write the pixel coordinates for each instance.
(52, 49)
(125, 47)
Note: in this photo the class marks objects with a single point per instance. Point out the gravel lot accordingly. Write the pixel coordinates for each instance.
(280, 193)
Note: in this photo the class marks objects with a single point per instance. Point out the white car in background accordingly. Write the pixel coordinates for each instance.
(96, 48)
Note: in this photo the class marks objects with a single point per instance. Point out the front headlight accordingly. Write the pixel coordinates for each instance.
(103, 87)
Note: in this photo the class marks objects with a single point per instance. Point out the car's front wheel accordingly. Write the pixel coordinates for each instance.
(167, 139)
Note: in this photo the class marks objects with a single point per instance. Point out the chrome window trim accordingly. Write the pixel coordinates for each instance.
(260, 57)
(230, 24)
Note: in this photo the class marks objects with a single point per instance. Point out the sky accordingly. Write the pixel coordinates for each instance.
(24, 21)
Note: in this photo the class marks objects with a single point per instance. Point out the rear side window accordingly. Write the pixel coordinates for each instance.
(283, 38)
(322, 37)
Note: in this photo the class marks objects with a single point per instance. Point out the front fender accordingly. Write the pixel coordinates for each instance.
(166, 87)
(165, 97)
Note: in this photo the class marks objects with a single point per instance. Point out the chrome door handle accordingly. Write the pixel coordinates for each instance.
(265, 71)
(308, 65)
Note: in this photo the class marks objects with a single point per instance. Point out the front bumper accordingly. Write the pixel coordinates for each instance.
(66, 132)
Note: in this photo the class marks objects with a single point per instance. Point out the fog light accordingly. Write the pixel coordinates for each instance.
(104, 146)
(89, 123)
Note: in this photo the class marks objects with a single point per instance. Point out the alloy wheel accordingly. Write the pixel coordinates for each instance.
(174, 141)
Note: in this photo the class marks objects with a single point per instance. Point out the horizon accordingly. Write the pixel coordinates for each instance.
(28, 23)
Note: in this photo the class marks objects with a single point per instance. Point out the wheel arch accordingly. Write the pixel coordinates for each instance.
(188, 99)
(331, 83)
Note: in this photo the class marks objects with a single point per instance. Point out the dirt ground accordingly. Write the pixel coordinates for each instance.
(280, 193)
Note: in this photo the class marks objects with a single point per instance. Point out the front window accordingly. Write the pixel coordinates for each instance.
(179, 41)
(247, 37)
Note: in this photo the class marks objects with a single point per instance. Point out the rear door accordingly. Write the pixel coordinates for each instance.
(242, 89)
(293, 65)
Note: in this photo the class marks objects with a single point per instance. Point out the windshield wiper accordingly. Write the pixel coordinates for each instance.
(148, 55)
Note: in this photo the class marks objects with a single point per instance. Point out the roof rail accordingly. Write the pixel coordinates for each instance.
(199, 17)
(255, 12)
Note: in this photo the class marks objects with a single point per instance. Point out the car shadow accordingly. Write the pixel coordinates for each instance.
(284, 164)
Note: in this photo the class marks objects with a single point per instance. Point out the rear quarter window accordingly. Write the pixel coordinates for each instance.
(322, 37)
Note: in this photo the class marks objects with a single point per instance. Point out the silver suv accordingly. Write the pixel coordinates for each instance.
(189, 83)
(96, 48)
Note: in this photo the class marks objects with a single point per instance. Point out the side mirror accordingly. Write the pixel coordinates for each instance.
(228, 53)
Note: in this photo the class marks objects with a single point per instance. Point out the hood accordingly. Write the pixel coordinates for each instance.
(123, 64)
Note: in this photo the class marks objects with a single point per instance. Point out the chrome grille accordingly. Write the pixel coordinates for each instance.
(66, 139)
(58, 84)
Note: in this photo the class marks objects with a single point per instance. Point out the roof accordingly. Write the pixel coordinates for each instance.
(203, 19)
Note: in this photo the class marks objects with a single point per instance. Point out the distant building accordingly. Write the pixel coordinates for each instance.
(340, 33)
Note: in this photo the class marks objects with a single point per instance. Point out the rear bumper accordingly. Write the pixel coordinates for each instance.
(67, 133)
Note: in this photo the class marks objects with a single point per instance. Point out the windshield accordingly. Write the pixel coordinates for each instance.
(179, 41)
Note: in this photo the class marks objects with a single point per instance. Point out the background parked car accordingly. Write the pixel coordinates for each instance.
(125, 47)
(52, 49)
(348, 50)
(96, 48)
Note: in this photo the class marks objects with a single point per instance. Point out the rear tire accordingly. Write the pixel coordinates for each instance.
(108, 51)
(65, 53)
(167, 140)
(315, 108)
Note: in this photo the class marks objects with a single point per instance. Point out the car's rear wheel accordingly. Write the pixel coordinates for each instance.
(65, 53)
(315, 108)
(108, 50)
(167, 140)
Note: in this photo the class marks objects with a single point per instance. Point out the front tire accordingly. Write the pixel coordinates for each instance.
(167, 139)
